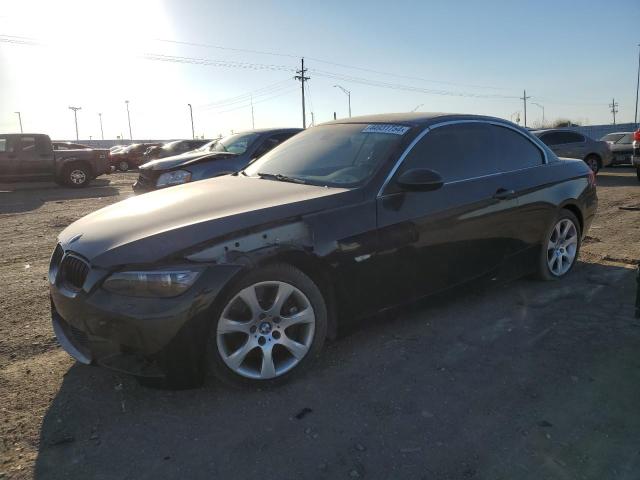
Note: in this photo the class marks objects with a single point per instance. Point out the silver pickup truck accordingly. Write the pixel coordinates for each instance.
(30, 157)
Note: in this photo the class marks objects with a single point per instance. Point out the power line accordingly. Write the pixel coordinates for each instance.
(266, 90)
(248, 105)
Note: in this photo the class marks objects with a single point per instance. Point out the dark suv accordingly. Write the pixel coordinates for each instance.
(227, 155)
(172, 148)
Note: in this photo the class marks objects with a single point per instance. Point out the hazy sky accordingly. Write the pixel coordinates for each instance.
(456, 56)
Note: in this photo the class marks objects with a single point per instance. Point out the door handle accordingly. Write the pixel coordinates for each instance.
(504, 194)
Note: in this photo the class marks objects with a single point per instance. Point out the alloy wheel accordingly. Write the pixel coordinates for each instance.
(562, 247)
(77, 177)
(265, 330)
(124, 166)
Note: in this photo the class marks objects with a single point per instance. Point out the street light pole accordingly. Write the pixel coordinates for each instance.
(129, 118)
(417, 107)
(542, 107)
(348, 93)
(20, 121)
(101, 130)
(75, 114)
(253, 120)
(193, 132)
(637, 88)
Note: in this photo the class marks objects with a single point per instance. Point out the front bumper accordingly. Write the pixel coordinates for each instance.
(133, 334)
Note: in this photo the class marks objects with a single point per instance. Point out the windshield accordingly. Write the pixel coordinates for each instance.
(236, 144)
(333, 155)
(612, 137)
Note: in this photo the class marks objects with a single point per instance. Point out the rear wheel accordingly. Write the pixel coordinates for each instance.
(593, 162)
(76, 175)
(561, 246)
(123, 166)
(270, 326)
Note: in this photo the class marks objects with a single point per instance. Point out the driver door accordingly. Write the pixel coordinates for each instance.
(431, 240)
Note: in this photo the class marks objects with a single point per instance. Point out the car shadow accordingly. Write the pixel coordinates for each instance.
(617, 177)
(20, 198)
(472, 384)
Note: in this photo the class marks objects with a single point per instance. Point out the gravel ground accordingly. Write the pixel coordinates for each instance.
(528, 380)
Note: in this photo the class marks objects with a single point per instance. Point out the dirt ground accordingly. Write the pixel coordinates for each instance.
(528, 380)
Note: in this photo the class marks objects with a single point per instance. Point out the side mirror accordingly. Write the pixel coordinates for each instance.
(420, 180)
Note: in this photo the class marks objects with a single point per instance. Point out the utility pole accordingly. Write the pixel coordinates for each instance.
(524, 98)
(635, 119)
(300, 76)
(253, 120)
(129, 118)
(75, 114)
(19, 121)
(348, 93)
(614, 109)
(193, 132)
(101, 130)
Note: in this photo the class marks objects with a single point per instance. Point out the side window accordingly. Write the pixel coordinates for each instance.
(568, 137)
(4, 145)
(27, 144)
(514, 151)
(270, 143)
(457, 152)
(552, 138)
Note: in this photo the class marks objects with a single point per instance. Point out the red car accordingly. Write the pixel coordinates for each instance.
(131, 156)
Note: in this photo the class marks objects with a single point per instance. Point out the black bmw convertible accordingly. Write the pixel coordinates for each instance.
(245, 276)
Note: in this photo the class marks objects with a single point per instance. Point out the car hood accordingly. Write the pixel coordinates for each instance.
(181, 160)
(150, 227)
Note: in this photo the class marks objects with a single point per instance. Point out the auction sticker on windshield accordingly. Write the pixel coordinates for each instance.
(392, 129)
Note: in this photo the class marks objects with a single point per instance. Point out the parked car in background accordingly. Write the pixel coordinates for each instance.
(621, 146)
(132, 156)
(635, 158)
(219, 157)
(68, 146)
(117, 148)
(172, 148)
(31, 156)
(571, 144)
(246, 275)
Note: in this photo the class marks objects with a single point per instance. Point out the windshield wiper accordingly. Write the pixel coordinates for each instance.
(281, 178)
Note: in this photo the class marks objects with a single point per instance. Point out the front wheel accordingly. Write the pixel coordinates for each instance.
(593, 162)
(123, 166)
(561, 246)
(270, 326)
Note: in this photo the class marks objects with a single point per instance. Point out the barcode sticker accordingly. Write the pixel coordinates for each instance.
(390, 129)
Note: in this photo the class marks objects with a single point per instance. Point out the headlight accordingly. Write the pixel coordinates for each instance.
(173, 178)
(169, 283)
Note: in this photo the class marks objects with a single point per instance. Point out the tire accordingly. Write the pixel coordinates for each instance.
(638, 173)
(123, 166)
(556, 252)
(593, 162)
(76, 175)
(243, 340)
